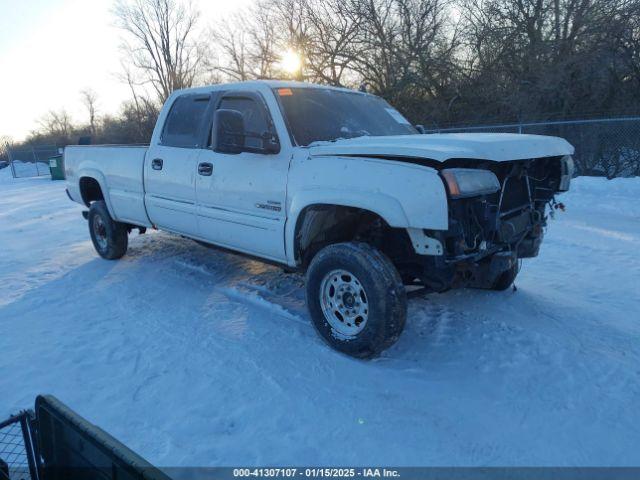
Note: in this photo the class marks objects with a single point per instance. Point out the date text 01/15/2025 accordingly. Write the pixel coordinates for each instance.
(315, 472)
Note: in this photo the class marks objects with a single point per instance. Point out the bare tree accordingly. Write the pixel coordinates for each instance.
(136, 113)
(322, 32)
(249, 43)
(546, 58)
(56, 124)
(89, 100)
(231, 41)
(5, 141)
(629, 44)
(161, 42)
(265, 41)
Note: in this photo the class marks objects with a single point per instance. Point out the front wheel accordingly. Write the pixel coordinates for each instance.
(110, 238)
(506, 278)
(356, 299)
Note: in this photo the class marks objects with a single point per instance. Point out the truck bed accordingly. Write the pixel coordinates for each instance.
(119, 171)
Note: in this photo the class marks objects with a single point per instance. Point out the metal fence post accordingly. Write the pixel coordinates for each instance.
(13, 168)
(35, 158)
(29, 445)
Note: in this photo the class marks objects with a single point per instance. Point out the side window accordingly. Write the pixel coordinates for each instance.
(255, 120)
(182, 126)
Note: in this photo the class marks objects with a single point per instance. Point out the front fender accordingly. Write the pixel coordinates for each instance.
(404, 195)
(383, 205)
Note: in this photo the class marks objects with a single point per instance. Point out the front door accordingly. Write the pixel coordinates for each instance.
(241, 197)
(171, 167)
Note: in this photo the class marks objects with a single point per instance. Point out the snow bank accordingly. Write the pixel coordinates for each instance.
(29, 169)
(629, 187)
(197, 357)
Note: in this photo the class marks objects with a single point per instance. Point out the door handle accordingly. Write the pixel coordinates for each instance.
(205, 169)
(156, 164)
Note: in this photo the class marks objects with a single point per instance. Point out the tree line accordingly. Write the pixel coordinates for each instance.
(440, 62)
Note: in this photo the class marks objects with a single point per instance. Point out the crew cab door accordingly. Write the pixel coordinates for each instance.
(171, 165)
(241, 196)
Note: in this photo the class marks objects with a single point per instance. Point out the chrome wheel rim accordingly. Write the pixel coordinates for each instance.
(100, 232)
(344, 302)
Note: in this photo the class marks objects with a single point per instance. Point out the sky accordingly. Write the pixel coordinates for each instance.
(50, 50)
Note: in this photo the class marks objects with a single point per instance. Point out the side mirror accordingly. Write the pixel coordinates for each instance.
(227, 134)
(421, 129)
(271, 143)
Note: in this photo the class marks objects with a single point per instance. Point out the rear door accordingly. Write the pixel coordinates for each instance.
(171, 166)
(241, 197)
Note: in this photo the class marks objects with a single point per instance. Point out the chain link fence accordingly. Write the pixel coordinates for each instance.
(604, 147)
(30, 161)
(17, 456)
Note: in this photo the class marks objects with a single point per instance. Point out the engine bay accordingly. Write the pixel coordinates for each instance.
(508, 217)
(488, 233)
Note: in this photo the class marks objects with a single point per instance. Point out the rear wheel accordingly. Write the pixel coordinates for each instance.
(110, 238)
(356, 299)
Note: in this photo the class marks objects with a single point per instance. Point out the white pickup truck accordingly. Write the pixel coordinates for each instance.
(334, 183)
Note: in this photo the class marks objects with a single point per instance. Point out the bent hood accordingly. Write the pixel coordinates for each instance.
(499, 147)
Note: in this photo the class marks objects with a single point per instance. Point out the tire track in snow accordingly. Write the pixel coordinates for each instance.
(18, 285)
(604, 232)
(246, 294)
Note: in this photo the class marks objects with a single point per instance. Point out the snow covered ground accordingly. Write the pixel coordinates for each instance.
(196, 357)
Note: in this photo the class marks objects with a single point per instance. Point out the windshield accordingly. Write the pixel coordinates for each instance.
(315, 114)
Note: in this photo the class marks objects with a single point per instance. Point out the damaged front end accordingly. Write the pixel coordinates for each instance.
(497, 215)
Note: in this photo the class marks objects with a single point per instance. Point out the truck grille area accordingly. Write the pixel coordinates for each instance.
(511, 219)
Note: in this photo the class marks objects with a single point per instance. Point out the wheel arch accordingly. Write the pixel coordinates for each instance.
(320, 224)
(90, 190)
(383, 206)
(92, 187)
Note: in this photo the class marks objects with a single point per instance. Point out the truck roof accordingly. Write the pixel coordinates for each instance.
(260, 84)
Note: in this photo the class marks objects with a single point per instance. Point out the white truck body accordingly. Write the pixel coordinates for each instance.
(225, 208)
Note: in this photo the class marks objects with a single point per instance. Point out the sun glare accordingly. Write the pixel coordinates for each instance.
(290, 62)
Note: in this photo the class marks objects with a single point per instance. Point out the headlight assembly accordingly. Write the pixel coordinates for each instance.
(469, 182)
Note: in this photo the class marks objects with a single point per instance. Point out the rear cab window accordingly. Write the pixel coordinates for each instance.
(183, 125)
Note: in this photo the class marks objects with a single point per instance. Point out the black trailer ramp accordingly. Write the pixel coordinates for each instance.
(55, 443)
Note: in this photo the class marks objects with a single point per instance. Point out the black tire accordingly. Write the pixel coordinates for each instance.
(506, 278)
(386, 298)
(114, 240)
